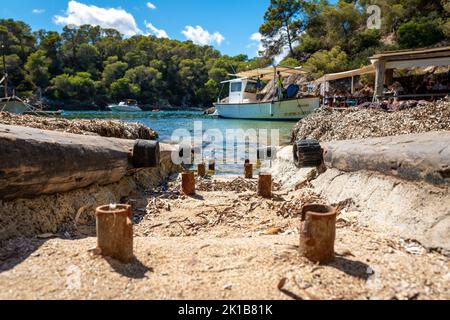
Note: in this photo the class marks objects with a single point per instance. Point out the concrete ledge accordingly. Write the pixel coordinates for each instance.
(414, 157)
(416, 211)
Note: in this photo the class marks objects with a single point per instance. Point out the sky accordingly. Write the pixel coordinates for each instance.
(231, 26)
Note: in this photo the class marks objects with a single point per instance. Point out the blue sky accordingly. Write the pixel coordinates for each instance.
(228, 25)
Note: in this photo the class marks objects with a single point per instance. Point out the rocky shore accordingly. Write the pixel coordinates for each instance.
(104, 128)
(360, 123)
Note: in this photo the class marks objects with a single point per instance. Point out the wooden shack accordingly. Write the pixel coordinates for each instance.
(385, 64)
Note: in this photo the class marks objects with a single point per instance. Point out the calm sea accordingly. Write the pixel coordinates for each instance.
(165, 123)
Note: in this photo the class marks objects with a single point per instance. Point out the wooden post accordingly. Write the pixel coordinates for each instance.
(380, 78)
(353, 85)
(188, 183)
(115, 232)
(248, 171)
(201, 170)
(265, 185)
(318, 233)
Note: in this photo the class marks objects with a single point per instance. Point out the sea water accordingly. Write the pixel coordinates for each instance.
(165, 123)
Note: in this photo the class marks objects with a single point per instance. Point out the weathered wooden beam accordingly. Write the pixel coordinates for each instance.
(35, 162)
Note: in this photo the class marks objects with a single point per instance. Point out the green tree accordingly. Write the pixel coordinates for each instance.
(283, 22)
(327, 61)
(114, 71)
(123, 89)
(37, 67)
(419, 33)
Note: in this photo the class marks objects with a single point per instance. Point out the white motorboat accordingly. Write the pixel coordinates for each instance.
(13, 104)
(243, 102)
(125, 106)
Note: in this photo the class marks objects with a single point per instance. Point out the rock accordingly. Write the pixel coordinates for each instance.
(227, 287)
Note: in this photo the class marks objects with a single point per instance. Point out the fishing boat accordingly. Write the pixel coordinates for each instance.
(125, 106)
(244, 101)
(13, 104)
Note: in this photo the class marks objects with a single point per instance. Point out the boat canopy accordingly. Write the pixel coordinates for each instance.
(269, 72)
(346, 74)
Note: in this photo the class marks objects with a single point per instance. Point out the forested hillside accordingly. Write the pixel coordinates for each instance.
(95, 66)
(335, 37)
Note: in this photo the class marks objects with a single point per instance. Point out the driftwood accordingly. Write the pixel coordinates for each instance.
(35, 162)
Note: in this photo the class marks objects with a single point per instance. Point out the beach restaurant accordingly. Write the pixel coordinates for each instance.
(405, 74)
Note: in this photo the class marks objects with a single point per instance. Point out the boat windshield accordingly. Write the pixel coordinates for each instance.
(251, 87)
(236, 86)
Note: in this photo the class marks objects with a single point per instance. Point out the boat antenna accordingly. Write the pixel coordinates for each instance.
(5, 72)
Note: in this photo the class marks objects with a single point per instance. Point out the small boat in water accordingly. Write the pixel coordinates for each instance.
(125, 106)
(13, 104)
(244, 102)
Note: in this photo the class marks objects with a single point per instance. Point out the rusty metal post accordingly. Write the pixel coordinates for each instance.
(318, 233)
(115, 232)
(212, 167)
(201, 170)
(265, 185)
(188, 183)
(248, 171)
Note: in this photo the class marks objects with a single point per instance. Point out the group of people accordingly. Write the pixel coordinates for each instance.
(279, 85)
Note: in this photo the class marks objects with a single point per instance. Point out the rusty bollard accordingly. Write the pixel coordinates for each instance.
(265, 185)
(115, 232)
(201, 170)
(188, 183)
(318, 233)
(248, 171)
(212, 167)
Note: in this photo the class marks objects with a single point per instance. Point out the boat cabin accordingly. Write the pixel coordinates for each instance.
(128, 102)
(242, 90)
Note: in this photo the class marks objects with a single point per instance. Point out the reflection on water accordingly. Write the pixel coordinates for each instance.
(165, 123)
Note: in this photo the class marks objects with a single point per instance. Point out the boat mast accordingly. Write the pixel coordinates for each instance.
(5, 72)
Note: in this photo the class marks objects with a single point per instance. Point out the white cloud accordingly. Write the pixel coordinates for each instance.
(200, 36)
(151, 5)
(78, 14)
(159, 33)
(285, 52)
(256, 39)
(38, 11)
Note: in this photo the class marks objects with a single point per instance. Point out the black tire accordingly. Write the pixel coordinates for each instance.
(308, 153)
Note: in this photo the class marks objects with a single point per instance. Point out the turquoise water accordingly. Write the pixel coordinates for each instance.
(165, 123)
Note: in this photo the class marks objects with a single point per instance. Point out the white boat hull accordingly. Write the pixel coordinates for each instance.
(117, 108)
(282, 110)
(13, 106)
